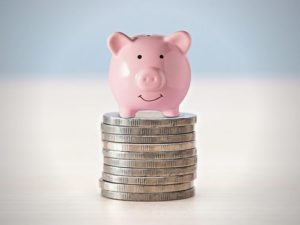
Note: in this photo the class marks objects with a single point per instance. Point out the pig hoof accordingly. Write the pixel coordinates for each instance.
(171, 113)
(127, 113)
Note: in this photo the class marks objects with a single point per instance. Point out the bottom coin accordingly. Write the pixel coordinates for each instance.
(166, 196)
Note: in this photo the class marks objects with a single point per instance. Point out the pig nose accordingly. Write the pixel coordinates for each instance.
(150, 79)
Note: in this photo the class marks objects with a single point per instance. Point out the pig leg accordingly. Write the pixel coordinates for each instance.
(126, 112)
(171, 112)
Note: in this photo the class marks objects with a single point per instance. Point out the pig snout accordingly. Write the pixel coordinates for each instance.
(150, 79)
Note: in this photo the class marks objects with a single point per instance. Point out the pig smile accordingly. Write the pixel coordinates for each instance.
(150, 100)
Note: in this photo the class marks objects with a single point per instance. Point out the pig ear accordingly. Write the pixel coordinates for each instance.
(181, 39)
(116, 41)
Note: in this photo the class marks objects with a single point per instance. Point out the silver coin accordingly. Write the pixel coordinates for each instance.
(173, 138)
(150, 155)
(146, 131)
(157, 172)
(166, 196)
(145, 121)
(129, 147)
(166, 163)
(149, 180)
(134, 188)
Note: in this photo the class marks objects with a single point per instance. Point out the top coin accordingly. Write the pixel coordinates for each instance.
(149, 119)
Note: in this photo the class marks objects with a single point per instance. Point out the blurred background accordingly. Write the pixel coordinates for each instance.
(68, 38)
(245, 60)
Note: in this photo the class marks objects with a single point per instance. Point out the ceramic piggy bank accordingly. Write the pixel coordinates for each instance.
(149, 72)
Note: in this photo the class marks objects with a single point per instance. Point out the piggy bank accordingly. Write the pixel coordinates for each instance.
(149, 72)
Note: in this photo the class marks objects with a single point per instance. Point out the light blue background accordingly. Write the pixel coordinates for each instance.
(68, 38)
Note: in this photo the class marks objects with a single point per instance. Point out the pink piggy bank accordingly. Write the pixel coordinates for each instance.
(149, 72)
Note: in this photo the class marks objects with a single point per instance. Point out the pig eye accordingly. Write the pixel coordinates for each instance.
(161, 56)
(139, 56)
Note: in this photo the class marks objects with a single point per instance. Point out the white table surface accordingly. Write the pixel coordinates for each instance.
(248, 150)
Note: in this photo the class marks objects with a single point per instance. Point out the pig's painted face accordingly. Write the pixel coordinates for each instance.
(149, 72)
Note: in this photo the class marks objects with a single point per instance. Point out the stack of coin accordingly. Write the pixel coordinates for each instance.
(148, 157)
